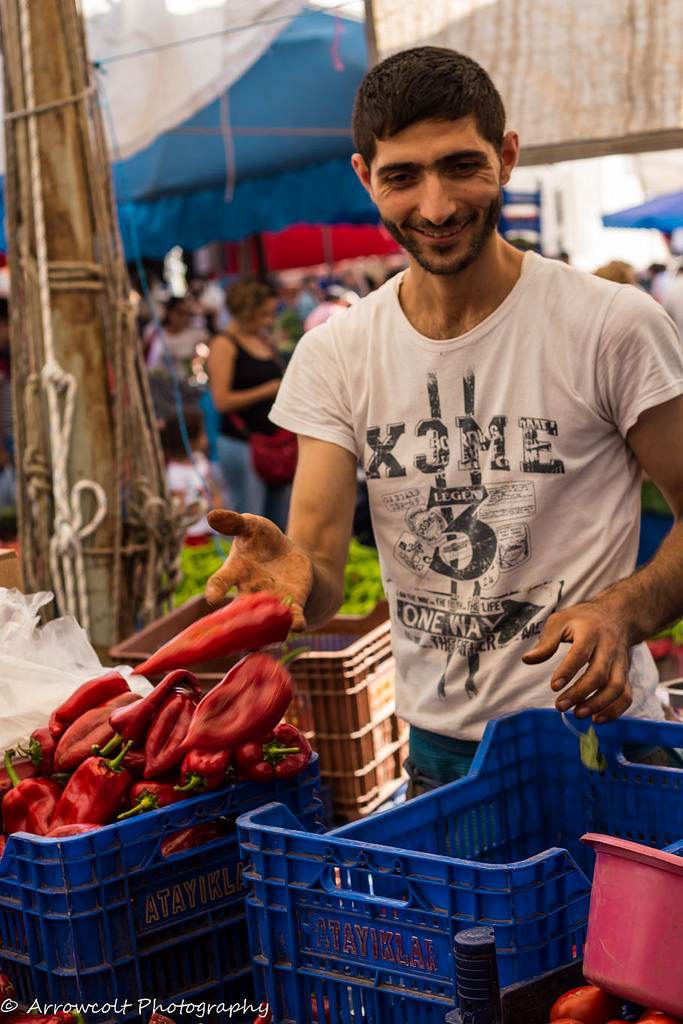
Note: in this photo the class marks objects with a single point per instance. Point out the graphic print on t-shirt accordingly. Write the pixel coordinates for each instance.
(468, 534)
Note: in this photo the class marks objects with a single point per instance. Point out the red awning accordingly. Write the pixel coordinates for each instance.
(310, 245)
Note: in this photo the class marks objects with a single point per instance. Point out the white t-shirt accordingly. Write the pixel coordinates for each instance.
(184, 479)
(181, 346)
(672, 301)
(500, 483)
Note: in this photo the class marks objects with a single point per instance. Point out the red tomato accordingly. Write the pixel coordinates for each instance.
(587, 1004)
(658, 1017)
(566, 1020)
(326, 1009)
(268, 1019)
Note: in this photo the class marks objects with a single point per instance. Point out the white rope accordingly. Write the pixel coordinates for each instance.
(66, 541)
(66, 552)
(46, 108)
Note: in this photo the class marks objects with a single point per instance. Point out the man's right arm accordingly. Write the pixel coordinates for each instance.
(321, 521)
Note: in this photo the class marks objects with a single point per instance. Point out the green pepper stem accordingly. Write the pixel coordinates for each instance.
(295, 652)
(147, 802)
(274, 752)
(108, 749)
(194, 781)
(35, 752)
(9, 768)
(115, 764)
(138, 809)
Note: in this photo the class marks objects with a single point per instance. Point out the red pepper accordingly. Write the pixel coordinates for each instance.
(134, 762)
(23, 767)
(282, 754)
(3, 844)
(77, 829)
(167, 732)
(326, 1009)
(263, 1018)
(203, 769)
(88, 695)
(132, 723)
(91, 729)
(30, 804)
(7, 989)
(41, 750)
(94, 793)
(247, 623)
(247, 703)
(149, 796)
(195, 835)
(19, 1017)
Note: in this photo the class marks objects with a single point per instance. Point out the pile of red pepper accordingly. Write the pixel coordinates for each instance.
(107, 753)
(8, 997)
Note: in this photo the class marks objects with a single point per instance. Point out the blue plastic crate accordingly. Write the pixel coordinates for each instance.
(364, 916)
(105, 921)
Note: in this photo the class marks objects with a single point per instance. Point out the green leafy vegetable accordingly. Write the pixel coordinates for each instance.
(362, 578)
(197, 564)
(590, 751)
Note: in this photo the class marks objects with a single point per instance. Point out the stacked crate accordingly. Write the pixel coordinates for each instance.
(345, 704)
(141, 914)
(359, 923)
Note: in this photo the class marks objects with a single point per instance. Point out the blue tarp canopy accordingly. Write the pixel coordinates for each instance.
(272, 151)
(663, 212)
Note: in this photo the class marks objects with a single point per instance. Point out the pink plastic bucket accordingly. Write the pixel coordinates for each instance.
(634, 943)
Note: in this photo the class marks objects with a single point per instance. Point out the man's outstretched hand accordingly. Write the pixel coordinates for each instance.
(260, 558)
(598, 660)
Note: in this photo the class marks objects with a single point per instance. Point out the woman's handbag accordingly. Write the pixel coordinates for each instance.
(273, 456)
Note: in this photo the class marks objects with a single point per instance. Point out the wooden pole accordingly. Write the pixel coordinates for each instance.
(371, 33)
(76, 310)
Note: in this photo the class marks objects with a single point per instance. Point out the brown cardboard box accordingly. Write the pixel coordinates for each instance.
(10, 569)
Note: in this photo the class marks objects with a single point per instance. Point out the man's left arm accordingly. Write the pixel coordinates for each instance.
(603, 630)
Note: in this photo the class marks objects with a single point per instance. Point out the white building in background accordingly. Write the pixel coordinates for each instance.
(575, 77)
(577, 193)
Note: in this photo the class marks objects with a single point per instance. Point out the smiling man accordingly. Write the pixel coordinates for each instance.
(503, 407)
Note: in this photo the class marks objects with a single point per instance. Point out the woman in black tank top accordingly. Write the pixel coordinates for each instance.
(244, 377)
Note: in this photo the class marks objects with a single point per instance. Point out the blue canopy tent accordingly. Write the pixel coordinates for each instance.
(274, 150)
(663, 212)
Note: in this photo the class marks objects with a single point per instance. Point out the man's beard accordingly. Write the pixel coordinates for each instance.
(440, 264)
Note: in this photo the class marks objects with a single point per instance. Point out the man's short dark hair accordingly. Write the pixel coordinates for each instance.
(426, 82)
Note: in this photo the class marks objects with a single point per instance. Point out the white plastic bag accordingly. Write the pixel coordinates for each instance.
(41, 665)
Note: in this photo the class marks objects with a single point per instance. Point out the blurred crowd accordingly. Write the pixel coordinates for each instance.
(665, 284)
(215, 352)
